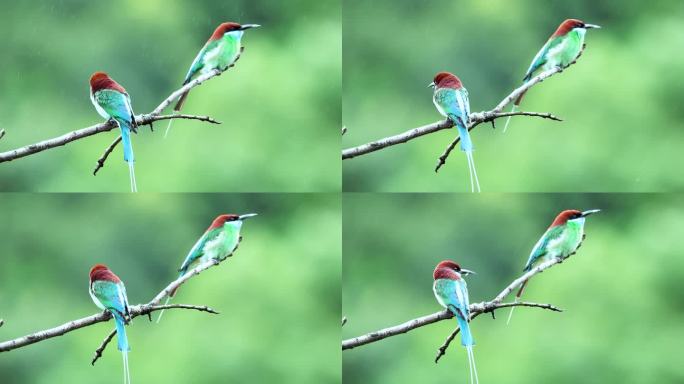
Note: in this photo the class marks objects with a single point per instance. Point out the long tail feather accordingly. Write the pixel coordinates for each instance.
(181, 101)
(168, 127)
(510, 314)
(127, 372)
(508, 119)
(517, 299)
(471, 360)
(131, 175)
(471, 164)
(162, 311)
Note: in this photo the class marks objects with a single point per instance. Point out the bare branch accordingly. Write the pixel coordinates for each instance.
(2, 322)
(100, 162)
(441, 351)
(2, 133)
(105, 342)
(488, 116)
(143, 119)
(344, 130)
(475, 310)
(135, 310)
(475, 120)
(344, 321)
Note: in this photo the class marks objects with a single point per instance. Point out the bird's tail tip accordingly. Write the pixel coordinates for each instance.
(162, 311)
(508, 119)
(131, 173)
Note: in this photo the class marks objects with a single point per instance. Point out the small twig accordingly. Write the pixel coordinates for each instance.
(441, 351)
(344, 130)
(103, 158)
(2, 133)
(2, 322)
(484, 117)
(105, 342)
(442, 315)
(344, 320)
(100, 162)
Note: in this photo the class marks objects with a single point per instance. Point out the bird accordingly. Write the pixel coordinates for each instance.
(112, 102)
(451, 100)
(219, 241)
(220, 52)
(561, 239)
(109, 294)
(451, 292)
(561, 49)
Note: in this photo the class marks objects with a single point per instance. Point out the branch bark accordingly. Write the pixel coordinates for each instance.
(135, 311)
(475, 310)
(143, 119)
(475, 120)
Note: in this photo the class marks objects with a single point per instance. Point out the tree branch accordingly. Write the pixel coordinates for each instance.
(100, 162)
(143, 119)
(475, 310)
(135, 310)
(2, 133)
(105, 342)
(475, 120)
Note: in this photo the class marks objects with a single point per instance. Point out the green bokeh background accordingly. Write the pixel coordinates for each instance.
(280, 105)
(622, 101)
(279, 296)
(621, 292)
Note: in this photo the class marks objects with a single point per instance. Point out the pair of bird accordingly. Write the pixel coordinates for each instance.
(451, 98)
(560, 240)
(112, 101)
(108, 292)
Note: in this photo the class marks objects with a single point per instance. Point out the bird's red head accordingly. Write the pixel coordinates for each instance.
(447, 269)
(567, 26)
(447, 80)
(101, 272)
(101, 80)
(566, 215)
(222, 219)
(225, 28)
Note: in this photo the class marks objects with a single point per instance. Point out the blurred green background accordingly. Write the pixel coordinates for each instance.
(279, 296)
(280, 104)
(622, 102)
(621, 292)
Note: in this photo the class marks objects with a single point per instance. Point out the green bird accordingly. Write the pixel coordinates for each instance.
(561, 49)
(561, 240)
(220, 52)
(219, 241)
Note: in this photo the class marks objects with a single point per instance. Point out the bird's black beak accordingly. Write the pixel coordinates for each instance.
(246, 216)
(431, 85)
(590, 26)
(248, 26)
(465, 272)
(590, 212)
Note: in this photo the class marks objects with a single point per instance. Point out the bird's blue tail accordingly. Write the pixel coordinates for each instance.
(466, 143)
(466, 336)
(128, 152)
(126, 141)
(121, 333)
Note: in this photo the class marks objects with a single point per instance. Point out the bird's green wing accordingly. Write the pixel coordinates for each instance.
(111, 296)
(116, 104)
(198, 63)
(540, 249)
(197, 249)
(541, 57)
